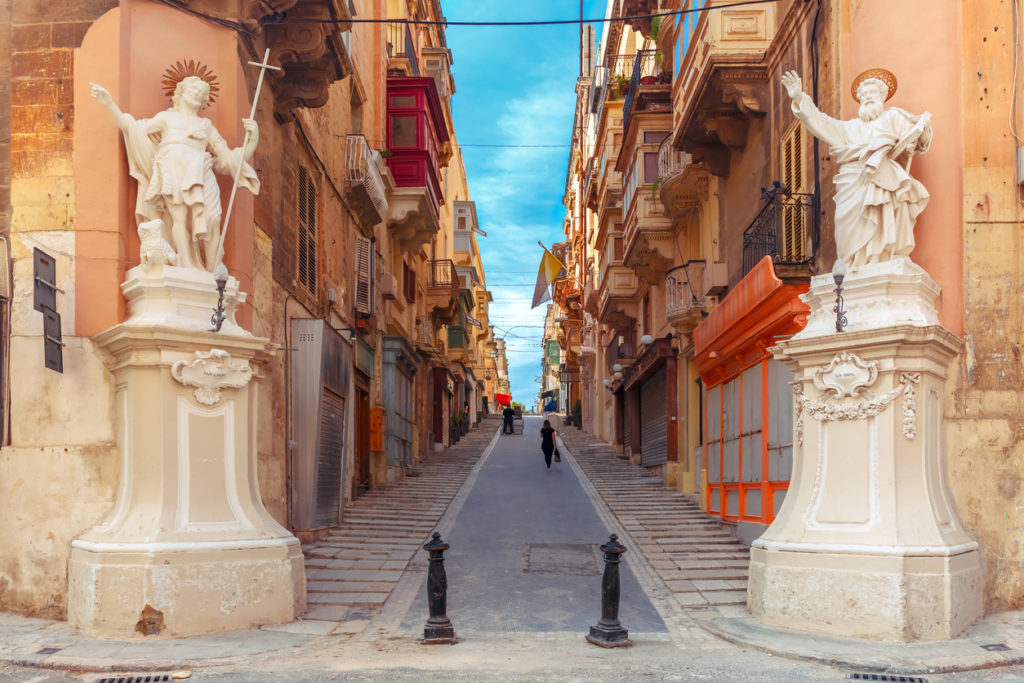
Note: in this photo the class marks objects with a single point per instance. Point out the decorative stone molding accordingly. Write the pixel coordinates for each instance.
(846, 375)
(827, 411)
(210, 372)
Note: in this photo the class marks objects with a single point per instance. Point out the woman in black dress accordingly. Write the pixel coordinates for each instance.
(547, 443)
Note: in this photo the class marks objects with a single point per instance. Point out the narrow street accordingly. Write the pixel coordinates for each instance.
(524, 586)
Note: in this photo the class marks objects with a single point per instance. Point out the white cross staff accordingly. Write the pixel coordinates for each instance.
(263, 66)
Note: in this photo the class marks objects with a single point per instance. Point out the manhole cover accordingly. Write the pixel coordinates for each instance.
(564, 559)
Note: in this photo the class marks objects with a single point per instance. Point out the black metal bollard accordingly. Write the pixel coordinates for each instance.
(438, 629)
(609, 631)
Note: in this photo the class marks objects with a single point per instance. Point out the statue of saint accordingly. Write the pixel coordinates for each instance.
(173, 156)
(877, 201)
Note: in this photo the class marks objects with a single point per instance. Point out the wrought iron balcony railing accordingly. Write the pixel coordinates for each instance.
(400, 44)
(684, 289)
(783, 229)
(671, 161)
(361, 171)
(645, 69)
(443, 275)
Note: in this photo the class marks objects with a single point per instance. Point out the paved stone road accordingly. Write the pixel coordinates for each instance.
(351, 573)
(701, 563)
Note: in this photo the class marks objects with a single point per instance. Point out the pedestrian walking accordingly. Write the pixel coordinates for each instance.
(547, 443)
(506, 426)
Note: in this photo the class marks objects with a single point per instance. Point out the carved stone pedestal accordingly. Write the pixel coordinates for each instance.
(188, 534)
(868, 542)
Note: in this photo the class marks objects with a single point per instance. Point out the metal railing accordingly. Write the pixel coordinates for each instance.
(644, 67)
(782, 230)
(361, 169)
(424, 332)
(443, 275)
(684, 288)
(400, 44)
(671, 161)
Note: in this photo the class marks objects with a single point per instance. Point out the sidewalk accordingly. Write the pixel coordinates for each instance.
(705, 568)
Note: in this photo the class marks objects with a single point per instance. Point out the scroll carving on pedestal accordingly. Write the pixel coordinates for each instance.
(210, 372)
(829, 411)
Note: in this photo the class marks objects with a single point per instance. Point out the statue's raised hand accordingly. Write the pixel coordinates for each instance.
(794, 86)
(101, 95)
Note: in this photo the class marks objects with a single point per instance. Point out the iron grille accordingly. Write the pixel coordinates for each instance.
(857, 676)
(146, 678)
(782, 230)
(643, 65)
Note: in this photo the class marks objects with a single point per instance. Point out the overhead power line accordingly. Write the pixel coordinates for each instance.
(543, 22)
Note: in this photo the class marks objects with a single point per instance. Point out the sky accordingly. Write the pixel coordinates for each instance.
(516, 86)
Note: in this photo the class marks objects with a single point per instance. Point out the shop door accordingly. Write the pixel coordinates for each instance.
(361, 480)
(653, 421)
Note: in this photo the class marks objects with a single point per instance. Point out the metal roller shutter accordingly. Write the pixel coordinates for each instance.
(653, 421)
(329, 460)
(627, 421)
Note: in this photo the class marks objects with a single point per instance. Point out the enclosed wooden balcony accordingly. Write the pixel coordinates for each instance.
(617, 304)
(363, 177)
(416, 131)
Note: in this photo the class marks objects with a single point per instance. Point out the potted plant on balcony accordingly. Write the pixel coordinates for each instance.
(623, 84)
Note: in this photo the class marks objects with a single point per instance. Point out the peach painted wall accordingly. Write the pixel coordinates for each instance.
(920, 42)
(149, 38)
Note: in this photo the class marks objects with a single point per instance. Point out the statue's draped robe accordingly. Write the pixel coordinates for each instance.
(877, 201)
(183, 173)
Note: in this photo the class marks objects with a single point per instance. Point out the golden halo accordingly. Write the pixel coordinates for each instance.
(181, 70)
(884, 75)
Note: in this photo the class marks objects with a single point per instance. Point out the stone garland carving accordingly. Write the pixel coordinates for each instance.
(210, 372)
(826, 411)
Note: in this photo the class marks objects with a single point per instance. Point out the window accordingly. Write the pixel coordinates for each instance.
(307, 270)
(654, 137)
(646, 314)
(650, 167)
(617, 249)
(364, 263)
(408, 283)
(793, 177)
(403, 131)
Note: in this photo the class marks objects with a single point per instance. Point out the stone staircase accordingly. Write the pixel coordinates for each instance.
(700, 561)
(352, 572)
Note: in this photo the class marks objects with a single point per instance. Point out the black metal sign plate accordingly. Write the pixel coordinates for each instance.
(44, 287)
(53, 347)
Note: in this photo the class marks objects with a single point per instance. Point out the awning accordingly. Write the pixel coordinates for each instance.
(547, 394)
(503, 399)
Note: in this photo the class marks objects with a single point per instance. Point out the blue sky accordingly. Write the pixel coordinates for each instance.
(516, 86)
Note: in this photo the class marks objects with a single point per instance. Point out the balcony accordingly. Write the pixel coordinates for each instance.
(620, 352)
(783, 231)
(588, 343)
(617, 305)
(416, 131)
(684, 296)
(723, 79)
(682, 184)
(401, 50)
(649, 89)
(365, 183)
(590, 184)
(443, 291)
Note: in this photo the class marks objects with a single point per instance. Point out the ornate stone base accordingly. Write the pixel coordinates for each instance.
(876, 295)
(868, 542)
(184, 298)
(188, 534)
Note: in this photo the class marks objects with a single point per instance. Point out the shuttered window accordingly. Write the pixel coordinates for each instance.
(793, 218)
(307, 231)
(364, 256)
(409, 283)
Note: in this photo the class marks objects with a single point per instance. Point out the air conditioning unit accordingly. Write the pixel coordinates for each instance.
(389, 286)
(716, 279)
(321, 364)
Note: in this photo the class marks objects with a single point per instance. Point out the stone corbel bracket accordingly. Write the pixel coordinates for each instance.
(312, 54)
(210, 372)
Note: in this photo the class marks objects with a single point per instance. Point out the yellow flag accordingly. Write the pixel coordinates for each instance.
(549, 269)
